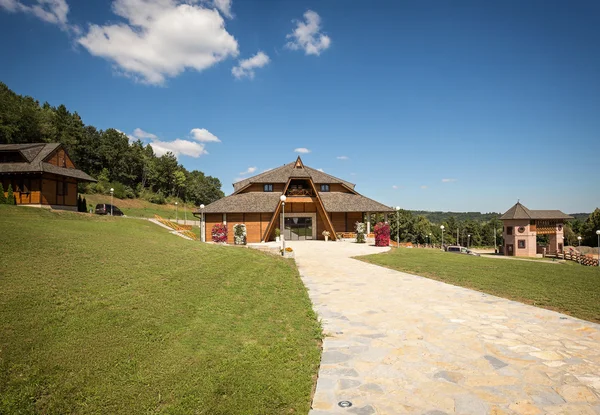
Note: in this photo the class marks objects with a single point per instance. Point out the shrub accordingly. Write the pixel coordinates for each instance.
(219, 233)
(2, 196)
(382, 234)
(158, 198)
(10, 197)
(239, 234)
(277, 233)
(360, 228)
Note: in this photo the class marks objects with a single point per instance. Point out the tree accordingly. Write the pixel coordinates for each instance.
(2, 196)
(592, 224)
(10, 197)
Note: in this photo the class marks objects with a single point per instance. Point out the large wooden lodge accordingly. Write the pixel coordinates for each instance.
(41, 175)
(315, 202)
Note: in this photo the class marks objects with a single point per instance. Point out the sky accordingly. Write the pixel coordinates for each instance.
(426, 105)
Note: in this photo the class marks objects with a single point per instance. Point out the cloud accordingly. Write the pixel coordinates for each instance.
(178, 147)
(238, 179)
(423, 187)
(51, 11)
(307, 35)
(266, 170)
(246, 67)
(395, 187)
(321, 170)
(204, 136)
(343, 158)
(141, 134)
(161, 39)
(249, 171)
(302, 150)
(352, 174)
(448, 180)
(224, 7)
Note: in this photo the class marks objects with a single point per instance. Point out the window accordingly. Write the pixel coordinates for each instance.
(268, 187)
(521, 243)
(509, 230)
(324, 187)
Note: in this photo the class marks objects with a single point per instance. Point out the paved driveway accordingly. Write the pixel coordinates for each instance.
(402, 344)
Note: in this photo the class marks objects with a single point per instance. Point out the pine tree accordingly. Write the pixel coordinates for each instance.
(79, 204)
(84, 204)
(10, 197)
(2, 197)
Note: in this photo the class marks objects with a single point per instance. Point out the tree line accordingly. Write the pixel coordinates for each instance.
(132, 169)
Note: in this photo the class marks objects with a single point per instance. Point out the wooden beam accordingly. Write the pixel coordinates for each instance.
(323, 212)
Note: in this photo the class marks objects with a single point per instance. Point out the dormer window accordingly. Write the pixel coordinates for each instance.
(324, 187)
(268, 187)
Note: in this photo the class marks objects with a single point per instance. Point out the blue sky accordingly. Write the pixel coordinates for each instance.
(435, 105)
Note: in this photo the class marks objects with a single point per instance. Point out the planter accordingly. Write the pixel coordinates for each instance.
(288, 254)
(277, 239)
(326, 238)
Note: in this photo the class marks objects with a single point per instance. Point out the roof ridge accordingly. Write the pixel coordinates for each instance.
(330, 175)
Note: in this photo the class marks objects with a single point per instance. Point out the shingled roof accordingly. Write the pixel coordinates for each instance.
(253, 202)
(518, 211)
(35, 154)
(348, 202)
(284, 173)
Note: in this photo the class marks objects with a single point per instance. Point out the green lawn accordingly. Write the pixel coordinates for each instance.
(142, 208)
(104, 315)
(573, 290)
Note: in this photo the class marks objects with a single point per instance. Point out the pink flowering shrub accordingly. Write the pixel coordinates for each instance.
(382, 234)
(219, 233)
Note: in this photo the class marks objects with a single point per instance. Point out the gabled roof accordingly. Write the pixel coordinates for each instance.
(36, 154)
(518, 211)
(348, 202)
(253, 202)
(284, 173)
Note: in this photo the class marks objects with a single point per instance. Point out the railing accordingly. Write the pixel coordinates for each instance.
(299, 192)
(182, 229)
(588, 260)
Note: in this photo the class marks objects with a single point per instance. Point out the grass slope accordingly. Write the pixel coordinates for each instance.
(113, 315)
(573, 290)
(142, 208)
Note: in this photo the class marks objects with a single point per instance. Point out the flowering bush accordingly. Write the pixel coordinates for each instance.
(361, 228)
(382, 234)
(326, 234)
(219, 233)
(239, 234)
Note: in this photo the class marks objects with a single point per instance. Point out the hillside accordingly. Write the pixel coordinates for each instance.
(104, 315)
(143, 209)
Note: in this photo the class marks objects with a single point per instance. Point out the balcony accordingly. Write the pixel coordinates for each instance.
(299, 192)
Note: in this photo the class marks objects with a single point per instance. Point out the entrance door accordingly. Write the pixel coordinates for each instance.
(510, 250)
(298, 229)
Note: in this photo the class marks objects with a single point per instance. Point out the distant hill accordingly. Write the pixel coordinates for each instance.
(438, 217)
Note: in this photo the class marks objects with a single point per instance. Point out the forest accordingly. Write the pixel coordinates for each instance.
(132, 169)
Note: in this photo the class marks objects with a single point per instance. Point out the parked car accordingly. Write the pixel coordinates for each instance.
(461, 250)
(105, 209)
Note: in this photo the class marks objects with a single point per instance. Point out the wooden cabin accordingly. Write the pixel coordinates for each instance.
(41, 175)
(315, 202)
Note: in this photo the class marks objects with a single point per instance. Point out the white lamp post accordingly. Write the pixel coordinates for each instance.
(579, 239)
(442, 228)
(283, 198)
(468, 240)
(397, 226)
(111, 200)
(176, 212)
(598, 233)
(202, 231)
(429, 238)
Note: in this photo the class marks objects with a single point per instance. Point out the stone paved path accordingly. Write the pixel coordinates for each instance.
(403, 344)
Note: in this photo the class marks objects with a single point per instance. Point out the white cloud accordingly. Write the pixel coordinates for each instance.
(307, 35)
(51, 11)
(343, 158)
(321, 170)
(224, 7)
(394, 187)
(161, 39)
(246, 67)
(141, 134)
(238, 179)
(266, 170)
(448, 180)
(302, 150)
(178, 147)
(250, 170)
(204, 136)
(423, 187)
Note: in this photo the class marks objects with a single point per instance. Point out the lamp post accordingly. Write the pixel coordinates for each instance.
(111, 200)
(283, 198)
(176, 212)
(429, 238)
(495, 246)
(579, 253)
(468, 239)
(598, 233)
(442, 228)
(579, 240)
(202, 230)
(397, 226)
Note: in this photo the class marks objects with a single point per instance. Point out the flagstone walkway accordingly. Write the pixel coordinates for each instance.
(402, 344)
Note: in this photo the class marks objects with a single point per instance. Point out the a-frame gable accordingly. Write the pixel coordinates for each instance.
(60, 158)
(298, 164)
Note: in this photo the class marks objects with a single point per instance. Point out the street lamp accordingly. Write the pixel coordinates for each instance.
(598, 233)
(442, 228)
(468, 240)
(176, 212)
(111, 200)
(202, 231)
(430, 238)
(283, 198)
(397, 226)
(579, 239)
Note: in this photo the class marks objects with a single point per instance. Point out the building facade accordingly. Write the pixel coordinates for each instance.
(315, 202)
(41, 175)
(522, 226)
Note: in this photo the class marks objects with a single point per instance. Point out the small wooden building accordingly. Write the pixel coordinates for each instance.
(522, 226)
(316, 202)
(41, 175)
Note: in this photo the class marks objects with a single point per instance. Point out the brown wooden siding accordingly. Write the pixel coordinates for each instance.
(61, 159)
(232, 219)
(210, 220)
(336, 187)
(351, 219)
(338, 220)
(258, 187)
(253, 227)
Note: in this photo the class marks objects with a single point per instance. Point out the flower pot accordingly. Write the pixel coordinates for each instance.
(277, 239)
(326, 238)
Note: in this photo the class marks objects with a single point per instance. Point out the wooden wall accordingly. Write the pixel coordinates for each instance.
(336, 187)
(61, 159)
(256, 224)
(52, 194)
(258, 187)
